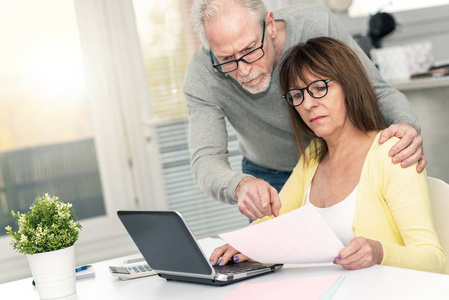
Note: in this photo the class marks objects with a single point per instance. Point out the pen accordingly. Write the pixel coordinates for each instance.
(82, 268)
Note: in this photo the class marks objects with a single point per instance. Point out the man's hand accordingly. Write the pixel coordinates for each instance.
(409, 149)
(360, 253)
(257, 199)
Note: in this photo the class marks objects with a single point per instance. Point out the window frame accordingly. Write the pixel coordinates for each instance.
(117, 90)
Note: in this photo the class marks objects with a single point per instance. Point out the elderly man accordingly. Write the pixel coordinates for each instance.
(234, 76)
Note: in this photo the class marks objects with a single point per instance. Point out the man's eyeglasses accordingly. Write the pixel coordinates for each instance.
(316, 89)
(249, 58)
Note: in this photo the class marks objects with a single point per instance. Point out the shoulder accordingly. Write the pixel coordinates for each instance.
(200, 78)
(380, 159)
(304, 22)
(380, 152)
(301, 10)
(383, 149)
(199, 62)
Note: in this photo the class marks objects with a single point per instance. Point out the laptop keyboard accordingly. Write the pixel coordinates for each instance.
(233, 268)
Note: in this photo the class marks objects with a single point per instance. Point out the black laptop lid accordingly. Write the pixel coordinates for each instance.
(165, 241)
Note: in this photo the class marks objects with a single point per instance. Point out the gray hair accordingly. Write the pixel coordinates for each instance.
(207, 9)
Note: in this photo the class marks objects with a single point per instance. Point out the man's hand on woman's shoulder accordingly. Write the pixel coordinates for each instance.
(410, 147)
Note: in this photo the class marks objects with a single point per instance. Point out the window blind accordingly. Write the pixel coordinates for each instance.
(167, 42)
(204, 215)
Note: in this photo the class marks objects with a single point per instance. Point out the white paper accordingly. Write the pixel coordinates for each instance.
(300, 236)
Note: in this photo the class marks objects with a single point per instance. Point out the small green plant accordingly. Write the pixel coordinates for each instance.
(48, 226)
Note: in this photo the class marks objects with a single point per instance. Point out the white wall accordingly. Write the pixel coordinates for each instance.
(429, 24)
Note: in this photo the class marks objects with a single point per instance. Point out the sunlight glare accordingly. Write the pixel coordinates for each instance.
(54, 69)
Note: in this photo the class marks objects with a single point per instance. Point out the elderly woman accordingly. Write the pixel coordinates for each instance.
(380, 211)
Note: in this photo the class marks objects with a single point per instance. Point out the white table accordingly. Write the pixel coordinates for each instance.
(377, 282)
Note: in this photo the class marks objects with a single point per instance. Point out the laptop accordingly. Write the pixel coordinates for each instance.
(170, 249)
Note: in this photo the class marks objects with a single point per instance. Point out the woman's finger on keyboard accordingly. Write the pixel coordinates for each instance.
(239, 257)
(227, 255)
(222, 254)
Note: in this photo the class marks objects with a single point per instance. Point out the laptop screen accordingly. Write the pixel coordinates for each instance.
(165, 241)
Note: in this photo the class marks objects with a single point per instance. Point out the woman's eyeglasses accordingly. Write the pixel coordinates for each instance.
(316, 89)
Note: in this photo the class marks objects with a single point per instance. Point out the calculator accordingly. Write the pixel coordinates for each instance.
(134, 268)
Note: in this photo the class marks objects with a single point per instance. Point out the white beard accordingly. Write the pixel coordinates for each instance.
(260, 86)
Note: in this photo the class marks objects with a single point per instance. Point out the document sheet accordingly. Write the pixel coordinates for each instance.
(298, 237)
(316, 288)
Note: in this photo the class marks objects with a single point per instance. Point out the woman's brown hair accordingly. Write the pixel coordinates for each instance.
(328, 58)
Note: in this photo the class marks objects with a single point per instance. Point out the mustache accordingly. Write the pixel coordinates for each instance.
(249, 77)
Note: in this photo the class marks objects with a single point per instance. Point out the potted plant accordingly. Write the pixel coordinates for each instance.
(46, 235)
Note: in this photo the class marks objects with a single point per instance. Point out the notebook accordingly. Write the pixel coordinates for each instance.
(170, 249)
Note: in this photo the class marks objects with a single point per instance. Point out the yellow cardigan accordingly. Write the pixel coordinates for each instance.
(392, 207)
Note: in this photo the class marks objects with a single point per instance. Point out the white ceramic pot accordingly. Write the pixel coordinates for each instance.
(54, 272)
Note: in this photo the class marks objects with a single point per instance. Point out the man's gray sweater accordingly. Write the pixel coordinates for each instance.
(261, 121)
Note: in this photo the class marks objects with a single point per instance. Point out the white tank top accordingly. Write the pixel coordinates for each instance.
(339, 217)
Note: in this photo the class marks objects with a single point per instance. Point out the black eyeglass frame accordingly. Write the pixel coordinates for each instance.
(326, 81)
(236, 61)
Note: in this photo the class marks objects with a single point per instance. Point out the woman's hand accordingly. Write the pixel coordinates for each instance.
(223, 254)
(360, 253)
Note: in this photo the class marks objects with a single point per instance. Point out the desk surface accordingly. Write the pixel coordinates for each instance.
(418, 84)
(377, 282)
